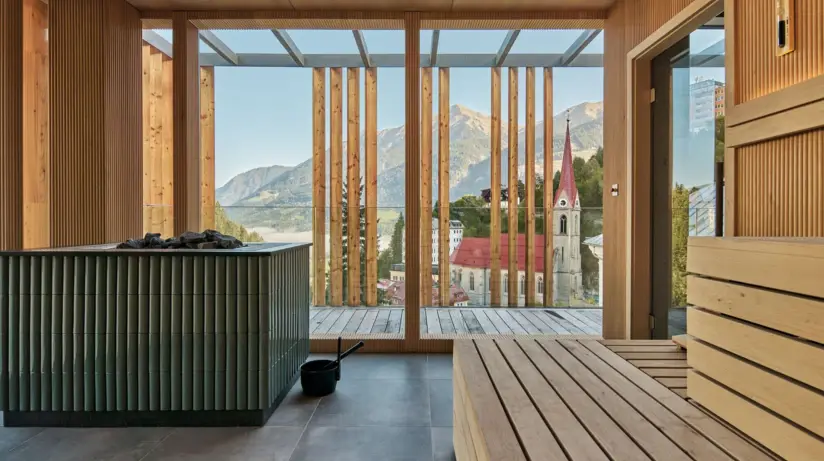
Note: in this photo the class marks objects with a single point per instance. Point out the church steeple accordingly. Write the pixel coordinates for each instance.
(567, 190)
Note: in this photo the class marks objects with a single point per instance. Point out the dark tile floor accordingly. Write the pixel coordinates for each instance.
(386, 407)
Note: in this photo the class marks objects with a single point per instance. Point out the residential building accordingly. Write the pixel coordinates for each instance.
(456, 230)
(707, 102)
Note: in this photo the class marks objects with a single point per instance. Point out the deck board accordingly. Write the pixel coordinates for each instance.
(333, 321)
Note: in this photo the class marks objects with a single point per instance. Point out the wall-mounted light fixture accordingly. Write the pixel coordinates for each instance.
(785, 26)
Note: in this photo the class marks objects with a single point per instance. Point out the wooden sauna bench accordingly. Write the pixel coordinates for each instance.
(551, 399)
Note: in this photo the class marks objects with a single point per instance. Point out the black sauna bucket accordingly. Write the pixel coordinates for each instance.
(320, 377)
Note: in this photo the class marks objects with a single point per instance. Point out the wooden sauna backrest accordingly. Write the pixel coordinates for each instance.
(756, 330)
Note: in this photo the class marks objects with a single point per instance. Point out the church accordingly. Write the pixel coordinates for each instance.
(470, 263)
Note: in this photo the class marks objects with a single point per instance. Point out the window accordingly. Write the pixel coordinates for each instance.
(506, 282)
(563, 226)
(562, 202)
(575, 230)
(523, 285)
(471, 281)
(454, 275)
(540, 285)
(460, 276)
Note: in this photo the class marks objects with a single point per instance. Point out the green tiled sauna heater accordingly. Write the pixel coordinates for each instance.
(96, 336)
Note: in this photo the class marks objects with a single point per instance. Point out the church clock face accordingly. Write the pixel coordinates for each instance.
(562, 202)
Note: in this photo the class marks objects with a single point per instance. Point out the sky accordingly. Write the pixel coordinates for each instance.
(263, 116)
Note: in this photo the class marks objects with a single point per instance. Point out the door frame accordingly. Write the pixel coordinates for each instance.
(639, 155)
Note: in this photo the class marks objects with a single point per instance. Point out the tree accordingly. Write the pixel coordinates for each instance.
(680, 232)
(224, 225)
(361, 236)
(720, 138)
(396, 244)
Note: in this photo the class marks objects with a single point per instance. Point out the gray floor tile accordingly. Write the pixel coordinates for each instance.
(229, 443)
(384, 366)
(440, 402)
(377, 402)
(439, 366)
(295, 409)
(11, 437)
(84, 444)
(365, 443)
(442, 448)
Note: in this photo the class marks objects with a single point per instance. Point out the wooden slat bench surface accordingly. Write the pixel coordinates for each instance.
(566, 399)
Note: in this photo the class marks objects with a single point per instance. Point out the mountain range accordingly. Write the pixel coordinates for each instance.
(280, 197)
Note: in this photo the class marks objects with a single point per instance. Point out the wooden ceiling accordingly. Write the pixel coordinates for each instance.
(374, 5)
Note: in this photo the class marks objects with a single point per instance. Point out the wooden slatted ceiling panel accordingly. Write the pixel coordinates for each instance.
(319, 185)
(495, 190)
(371, 186)
(207, 147)
(627, 24)
(11, 129)
(443, 186)
(759, 71)
(780, 187)
(36, 192)
(353, 184)
(426, 185)
(336, 185)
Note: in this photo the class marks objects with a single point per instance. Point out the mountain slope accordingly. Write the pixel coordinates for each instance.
(248, 182)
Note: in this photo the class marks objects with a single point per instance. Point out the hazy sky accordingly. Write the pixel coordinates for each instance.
(264, 115)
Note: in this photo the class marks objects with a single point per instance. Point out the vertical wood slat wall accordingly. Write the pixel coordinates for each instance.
(336, 187)
(207, 147)
(426, 185)
(444, 279)
(495, 190)
(549, 200)
(158, 163)
(529, 184)
(319, 186)
(371, 185)
(512, 206)
(11, 124)
(186, 94)
(353, 184)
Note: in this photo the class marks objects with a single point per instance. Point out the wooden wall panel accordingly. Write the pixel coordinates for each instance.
(207, 147)
(95, 118)
(549, 200)
(336, 186)
(319, 186)
(412, 76)
(495, 190)
(157, 147)
(167, 161)
(780, 185)
(353, 184)
(512, 206)
(186, 94)
(36, 190)
(426, 185)
(759, 72)
(529, 184)
(444, 278)
(371, 185)
(11, 126)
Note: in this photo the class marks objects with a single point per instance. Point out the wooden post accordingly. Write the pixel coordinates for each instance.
(426, 185)
(549, 174)
(495, 191)
(207, 146)
(412, 26)
(319, 185)
(512, 231)
(158, 143)
(186, 153)
(353, 184)
(156, 118)
(529, 185)
(444, 281)
(371, 186)
(336, 185)
(167, 173)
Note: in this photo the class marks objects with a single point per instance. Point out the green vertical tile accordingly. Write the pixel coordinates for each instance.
(4, 333)
(176, 333)
(100, 299)
(111, 333)
(122, 333)
(252, 372)
(197, 342)
(88, 320)
(165, 333)
(187, 350)
(24, 377)
(154, 333)
(14, 334)
(132, 301)
(209, 336)
(231, 332)
(220, 371)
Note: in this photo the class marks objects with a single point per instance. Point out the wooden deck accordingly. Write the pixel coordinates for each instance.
(438, 321)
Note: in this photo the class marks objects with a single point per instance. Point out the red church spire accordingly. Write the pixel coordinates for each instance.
(567, 183)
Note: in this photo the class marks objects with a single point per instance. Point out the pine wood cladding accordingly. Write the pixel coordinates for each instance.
(353, 184)
(495, 190)
(444, 278)
(512, 206)
(11, 124)
(336, 185)
(529, 184)
(319, 186)
(371, 185)
(426, 184)
(207, 147)
(186, 152)
(549, 245)
(412, 75)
